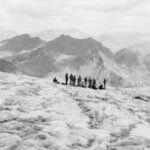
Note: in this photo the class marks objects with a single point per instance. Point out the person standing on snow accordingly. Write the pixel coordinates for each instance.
(74, 80)
(85, 81)
(90, 82)
(79, 80)
(94, 84)
(100, 87)
(66, 78)
(71, 79)
(104, 83)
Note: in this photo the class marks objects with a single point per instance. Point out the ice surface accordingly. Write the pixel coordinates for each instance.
(36, 114)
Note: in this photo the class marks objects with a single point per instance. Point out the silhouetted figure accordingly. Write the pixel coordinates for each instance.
(90, 82)
(104, 83)
(94, 84)
(71, 79)
(74, 80)
(79, 80)
(101, 87)
(55, 80)
(82, 84)
(85, 81)
(66, 78)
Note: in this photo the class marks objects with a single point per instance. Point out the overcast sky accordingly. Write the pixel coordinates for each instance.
(91, 16)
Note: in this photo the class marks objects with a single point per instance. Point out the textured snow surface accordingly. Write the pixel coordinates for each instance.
(36, 114)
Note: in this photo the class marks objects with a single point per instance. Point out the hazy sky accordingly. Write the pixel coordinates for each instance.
(92, 16)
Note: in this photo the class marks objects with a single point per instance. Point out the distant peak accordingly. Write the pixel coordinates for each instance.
(21, 36)
(65, 36)
(24, 35)
(127, 50)
(90, 39)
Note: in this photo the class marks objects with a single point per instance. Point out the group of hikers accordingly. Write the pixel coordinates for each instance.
(85, 82)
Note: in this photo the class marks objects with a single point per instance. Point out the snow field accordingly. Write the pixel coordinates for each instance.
(36, 114)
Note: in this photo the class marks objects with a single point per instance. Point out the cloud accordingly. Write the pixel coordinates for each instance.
(41, 9)
(89, 15)
(107, 5)
(34, 9)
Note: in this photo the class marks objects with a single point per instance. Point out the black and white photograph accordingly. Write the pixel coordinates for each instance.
(74, 74)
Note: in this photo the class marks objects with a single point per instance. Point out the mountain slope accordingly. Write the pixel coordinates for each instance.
(127, 57)
(71, 46)
(147, 61)
(20, 43)
(6, 66)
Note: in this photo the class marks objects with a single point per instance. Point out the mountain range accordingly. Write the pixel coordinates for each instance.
(88, 57)
(120, 40)
(48, 35)
(20, 43)
(115, 41)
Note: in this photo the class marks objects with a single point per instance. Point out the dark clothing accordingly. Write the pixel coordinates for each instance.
(66, 78)
(94, 87)
(74, 80)
(82, 85)
(101, 87)
(79, 80)
(94, 84)
(104, 83)
(90, 83)
(55, 80)
(85, 81)
(71, 79)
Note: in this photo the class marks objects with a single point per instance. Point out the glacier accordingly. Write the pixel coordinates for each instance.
(36, 114)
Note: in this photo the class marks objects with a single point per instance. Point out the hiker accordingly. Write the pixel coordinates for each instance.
(85, 81)
(82, 84)
(71, 79)
(74, 80)
(100, 87)
(104, 83)
(79, 80)
(94, 84)
(55, 80)
(66, 78)
(90, 82)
